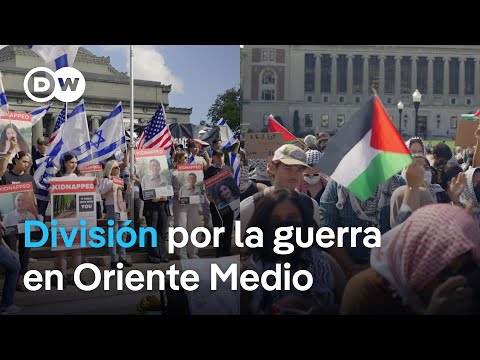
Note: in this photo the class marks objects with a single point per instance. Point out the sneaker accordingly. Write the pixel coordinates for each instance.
(11, 309)
(32, 260)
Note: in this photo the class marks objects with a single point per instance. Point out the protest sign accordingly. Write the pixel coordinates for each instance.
(18, 124)
(190, 183)
(17, 204)
(225, 192)
(262, 145)
(153, 170)
(118, 201)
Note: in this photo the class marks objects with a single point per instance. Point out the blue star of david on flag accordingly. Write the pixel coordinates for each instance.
(97, 139)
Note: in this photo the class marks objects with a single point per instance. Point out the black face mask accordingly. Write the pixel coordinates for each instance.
(476, 189)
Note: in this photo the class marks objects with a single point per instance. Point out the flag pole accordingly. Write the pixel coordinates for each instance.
(132, 168)
(2, 90)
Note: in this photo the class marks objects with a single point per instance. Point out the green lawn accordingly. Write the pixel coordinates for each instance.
(450, 143)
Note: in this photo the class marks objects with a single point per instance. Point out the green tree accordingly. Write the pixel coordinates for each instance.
(227, 106)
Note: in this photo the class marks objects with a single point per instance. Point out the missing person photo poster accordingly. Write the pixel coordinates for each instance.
(17, 205)
(225, 192)
(118, 199)
(73, 199)
(154, 172)
(95, 171)
(16, 124)
(190, 183)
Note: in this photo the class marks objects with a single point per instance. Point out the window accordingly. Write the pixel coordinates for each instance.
(341, 74)
(325, 120)
(373, 73)
(173, 120)
(453, 101)
(268, 94)
(268, 85)
(340, 120)
(268, 78)
(357, 99)
(325, 99)
(308, 120)
(453, 122)
(357, 74)
(265, 55)
(454, 76)
(310, 72)
(389, 100)
(422, 73)
(342, 99)
(326, 73)
(405, 75)
(390, 75)
(309, 98)
(438, 76)
(469, 101)
(272, 55)
(469, 77)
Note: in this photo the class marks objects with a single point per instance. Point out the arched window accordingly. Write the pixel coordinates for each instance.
(268, 85)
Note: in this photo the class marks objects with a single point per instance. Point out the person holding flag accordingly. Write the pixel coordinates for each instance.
(362, 161)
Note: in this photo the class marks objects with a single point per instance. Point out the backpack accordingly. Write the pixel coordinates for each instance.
(306, 201)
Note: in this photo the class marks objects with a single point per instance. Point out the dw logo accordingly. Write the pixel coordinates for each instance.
(68, 84)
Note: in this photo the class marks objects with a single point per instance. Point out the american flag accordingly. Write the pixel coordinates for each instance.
(157, 133)
(60, 121)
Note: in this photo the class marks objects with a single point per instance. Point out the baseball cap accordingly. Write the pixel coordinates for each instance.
(42, 140)
(290, 155)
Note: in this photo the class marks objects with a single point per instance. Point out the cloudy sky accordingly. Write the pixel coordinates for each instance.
(197, 73)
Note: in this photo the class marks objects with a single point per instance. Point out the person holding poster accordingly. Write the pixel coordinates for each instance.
(68, 168)
(18, 175)
(186, 214)
(219, 220)
(107, 188)
(9, 261)
(20, 214)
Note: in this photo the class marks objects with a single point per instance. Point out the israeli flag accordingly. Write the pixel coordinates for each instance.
(56, 56)
(235, 163)
(72, 137)
(108, 140)
(3, 97)
(38, 113)
(227, 135)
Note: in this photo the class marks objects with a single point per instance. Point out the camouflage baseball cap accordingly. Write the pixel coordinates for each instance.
(290, 155)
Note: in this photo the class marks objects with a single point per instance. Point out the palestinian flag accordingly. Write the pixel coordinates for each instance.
(274, 126)
(366, 152)
(475, 116)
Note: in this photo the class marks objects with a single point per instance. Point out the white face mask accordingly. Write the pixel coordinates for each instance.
(311, 180)
(428, 177)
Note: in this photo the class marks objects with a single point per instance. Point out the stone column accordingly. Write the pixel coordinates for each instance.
(476, 84)
(349, 77)
(461, 86)
(333, 85)
(381, 75)
(365, 75)
(414, 73)
(446, 74)
(318, 77)
(52, 123)
(430, 78)
(95, 123)
(37, 131)
(398, 78)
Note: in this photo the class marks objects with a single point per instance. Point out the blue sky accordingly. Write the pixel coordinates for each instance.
(197, 73)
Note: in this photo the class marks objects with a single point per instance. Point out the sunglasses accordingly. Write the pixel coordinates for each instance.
(116, 167)
(312, 175)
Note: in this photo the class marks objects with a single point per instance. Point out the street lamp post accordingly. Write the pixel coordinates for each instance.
(400, 109)
(417, 97)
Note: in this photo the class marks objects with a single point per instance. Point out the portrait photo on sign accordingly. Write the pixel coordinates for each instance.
(16, 208)
(156, 178)
(18, 125)
(190, 183)
(225, 192)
